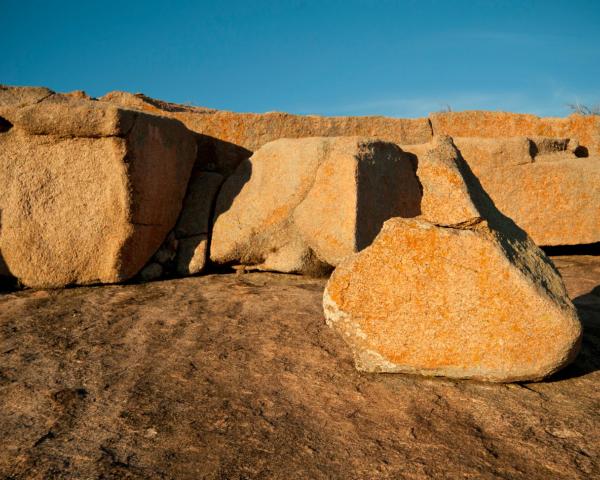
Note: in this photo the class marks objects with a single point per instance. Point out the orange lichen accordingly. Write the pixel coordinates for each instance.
(431, 298)
(586, 129)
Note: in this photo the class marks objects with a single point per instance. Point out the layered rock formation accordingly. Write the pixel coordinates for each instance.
(88, 190)
(542, 182)
(584, 128)
(460, 292)
(251, 130)
(230, 137)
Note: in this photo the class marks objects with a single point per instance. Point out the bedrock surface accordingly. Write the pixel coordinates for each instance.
(237, 376)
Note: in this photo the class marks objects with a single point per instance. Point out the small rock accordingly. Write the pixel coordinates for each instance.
(164, 255)
(152, 271)
(192, 255)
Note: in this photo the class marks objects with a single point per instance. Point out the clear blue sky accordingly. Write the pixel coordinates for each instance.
(351, 57)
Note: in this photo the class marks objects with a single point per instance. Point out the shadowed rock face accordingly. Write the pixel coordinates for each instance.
(460, 291)
(233, 376)
(303, 205)
(185, 250)
(88, 191)
(195, 222)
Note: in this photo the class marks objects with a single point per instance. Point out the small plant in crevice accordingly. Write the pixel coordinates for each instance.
(581, 109)
(446, 108)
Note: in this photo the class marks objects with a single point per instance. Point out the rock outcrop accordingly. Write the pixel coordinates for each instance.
(584, 128)
(541, 184)
(230, 137)
(250, 131)
(122, 165)
(302, 205)
(470, 297)
(88, 190)
(227, 138)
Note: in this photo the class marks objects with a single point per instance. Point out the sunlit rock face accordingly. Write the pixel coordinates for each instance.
(88, 190)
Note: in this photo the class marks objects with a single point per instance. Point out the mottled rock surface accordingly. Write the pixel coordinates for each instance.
(88, 191)
(239, 377)
(302, 205)
(463, 301)
(541, 184)
(583, 128)
(22, 96)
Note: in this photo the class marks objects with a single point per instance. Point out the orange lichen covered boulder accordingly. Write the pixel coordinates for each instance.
(468, 302)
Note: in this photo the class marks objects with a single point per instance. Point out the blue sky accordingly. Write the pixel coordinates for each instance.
(352, 57)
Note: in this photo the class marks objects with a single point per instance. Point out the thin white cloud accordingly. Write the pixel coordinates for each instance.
(553, 104)
(520, 38)
(423, 105)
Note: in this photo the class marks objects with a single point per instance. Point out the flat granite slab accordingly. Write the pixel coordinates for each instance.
(237, 377)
